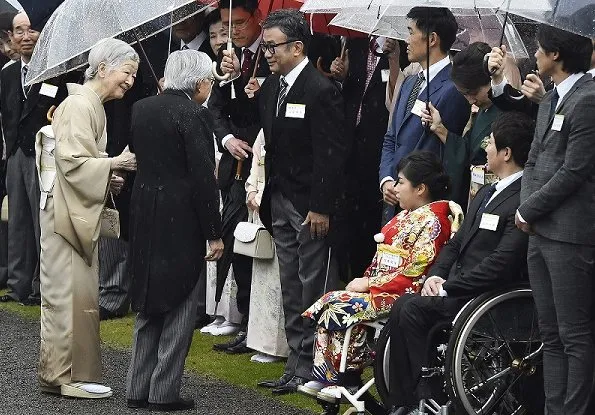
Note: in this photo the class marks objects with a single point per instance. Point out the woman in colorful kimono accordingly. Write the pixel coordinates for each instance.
(407, 247)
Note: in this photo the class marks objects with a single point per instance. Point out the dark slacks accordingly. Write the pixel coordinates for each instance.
(160, 345)
(23, 226)
(3, 254)
(303, 264)
(411, 318)
(114, 280)
(561, 276)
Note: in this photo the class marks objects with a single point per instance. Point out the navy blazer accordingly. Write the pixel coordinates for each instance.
(406, 133)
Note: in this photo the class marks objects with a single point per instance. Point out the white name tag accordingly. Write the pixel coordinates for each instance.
(478, 175)
(48, 90)
(385, 74)
(295, 111)
(391, 260)
(418, 107)
(558, 121)
(489, 222)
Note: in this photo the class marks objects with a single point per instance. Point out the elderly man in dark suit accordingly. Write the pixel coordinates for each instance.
(306, 149)
(24, 112)
(406, 132)
(486, 253)
(558, 210)
(236, 127)
(192, 34)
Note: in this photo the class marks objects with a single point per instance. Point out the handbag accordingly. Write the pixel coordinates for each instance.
(253, 240)
(110, 221)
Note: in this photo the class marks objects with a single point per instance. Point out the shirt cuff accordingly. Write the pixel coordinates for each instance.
(225, 140)
(386, 179)
(498, 89)
(520, 217)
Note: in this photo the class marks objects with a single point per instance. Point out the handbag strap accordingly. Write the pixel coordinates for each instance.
(110, 196)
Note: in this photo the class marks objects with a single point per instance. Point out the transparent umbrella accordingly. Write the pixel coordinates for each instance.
(77, 25)
(10, 6)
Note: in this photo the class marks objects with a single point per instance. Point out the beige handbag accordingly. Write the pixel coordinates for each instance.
(110, 221)
(253, 240)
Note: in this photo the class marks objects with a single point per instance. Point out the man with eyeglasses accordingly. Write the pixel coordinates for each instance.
(24, 111)
(302, 116)
(236, 127)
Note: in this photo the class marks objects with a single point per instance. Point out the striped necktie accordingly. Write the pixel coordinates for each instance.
(415, 92)
(283, 86)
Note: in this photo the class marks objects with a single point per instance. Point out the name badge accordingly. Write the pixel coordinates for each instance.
(385, 74)
(558, 121)
(295, 111)
(478, 175)
(418, 107)
(391, 260)
(48, 90)
(489, 222)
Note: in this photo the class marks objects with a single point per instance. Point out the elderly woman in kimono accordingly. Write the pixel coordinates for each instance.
(174, 212)
(407, 247)
(70, 356)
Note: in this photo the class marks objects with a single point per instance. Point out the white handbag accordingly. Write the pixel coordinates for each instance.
(253, 240)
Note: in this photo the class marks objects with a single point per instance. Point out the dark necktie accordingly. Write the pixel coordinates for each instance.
(370, 69)
(282, 93)
(485, 200)
(24, 78)
(554, 103)
(185, 47)
(415, 92)
(246, 63)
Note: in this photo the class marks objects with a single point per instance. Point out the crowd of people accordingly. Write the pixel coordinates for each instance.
(356, 155)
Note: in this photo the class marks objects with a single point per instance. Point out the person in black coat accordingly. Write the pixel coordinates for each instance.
(483, 255)
(174, 212)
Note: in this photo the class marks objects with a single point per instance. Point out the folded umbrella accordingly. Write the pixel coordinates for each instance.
(77, 25)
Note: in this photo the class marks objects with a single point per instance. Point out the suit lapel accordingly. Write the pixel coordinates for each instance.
(270, 106)
(297, 90)
(503, 196)
(31, 100)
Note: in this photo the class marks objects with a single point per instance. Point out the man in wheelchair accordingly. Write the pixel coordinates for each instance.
(488, 252)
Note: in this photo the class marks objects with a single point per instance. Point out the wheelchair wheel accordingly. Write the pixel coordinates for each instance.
(494, 356)
(381, 363)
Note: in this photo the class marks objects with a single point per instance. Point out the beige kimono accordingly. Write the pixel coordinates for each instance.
(69, 221)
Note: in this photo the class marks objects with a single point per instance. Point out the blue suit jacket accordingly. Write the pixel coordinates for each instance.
(406, 132)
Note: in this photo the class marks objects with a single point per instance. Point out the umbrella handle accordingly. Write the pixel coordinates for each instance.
(225, 77)
(50, 114)
(239, 170)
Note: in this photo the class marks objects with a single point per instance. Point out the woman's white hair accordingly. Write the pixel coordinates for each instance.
(112, 52)
(185, 68)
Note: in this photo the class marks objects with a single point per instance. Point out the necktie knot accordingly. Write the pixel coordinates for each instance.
(185, 47)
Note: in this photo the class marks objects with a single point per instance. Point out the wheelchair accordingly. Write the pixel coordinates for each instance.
(487, 362)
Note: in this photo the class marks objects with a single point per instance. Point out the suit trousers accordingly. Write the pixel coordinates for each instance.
(22, 187)
(114, 279)
(561, 277)
(307, 272)
(3, 254)
(411, 318)
(160, 345)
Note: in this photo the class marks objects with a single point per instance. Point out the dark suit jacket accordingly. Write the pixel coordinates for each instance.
(513, 100)
(305, 158)
(558, 193)
(237, 116)
(23, 117)
(478, 260)
(175, 201)
(406, 133)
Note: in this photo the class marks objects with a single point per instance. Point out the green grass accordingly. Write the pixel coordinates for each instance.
(202, 360)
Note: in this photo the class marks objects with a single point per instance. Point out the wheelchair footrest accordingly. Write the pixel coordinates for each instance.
(429, 372)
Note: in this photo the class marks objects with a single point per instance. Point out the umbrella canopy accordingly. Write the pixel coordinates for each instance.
(10, 6)
(77, 25)
(39, 11)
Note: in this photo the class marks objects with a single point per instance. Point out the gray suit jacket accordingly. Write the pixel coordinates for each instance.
(558, 187)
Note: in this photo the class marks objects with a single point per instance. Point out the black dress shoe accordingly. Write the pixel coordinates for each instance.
(137, 403)
(289, 387)
(239, 349)
(180, 405)
(202, 321)
(275, 383)
(7, 299)
(221, 347)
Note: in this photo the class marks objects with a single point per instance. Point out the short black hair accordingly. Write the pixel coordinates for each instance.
(6, 19)
(467, 67)
(436, 19)
(575, 50)
(424, 167)
(292, 23)
(211, 19)
(514, 130)
(249, 5)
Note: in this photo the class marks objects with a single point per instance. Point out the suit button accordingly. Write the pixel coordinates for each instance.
(459, 266)
(160, 187)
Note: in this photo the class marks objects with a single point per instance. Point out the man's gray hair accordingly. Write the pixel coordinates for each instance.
(112, 52)
(185, 68)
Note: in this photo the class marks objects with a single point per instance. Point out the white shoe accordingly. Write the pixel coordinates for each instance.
(311, 388)
(208, 329)
(226, 329)
(85, 390)
(264, 358)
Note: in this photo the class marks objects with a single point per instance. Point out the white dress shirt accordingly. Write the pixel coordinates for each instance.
(195, 43)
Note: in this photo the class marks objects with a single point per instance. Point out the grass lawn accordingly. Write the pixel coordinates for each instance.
(202, 360)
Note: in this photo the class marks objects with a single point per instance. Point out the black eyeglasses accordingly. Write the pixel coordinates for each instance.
(270, 47)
